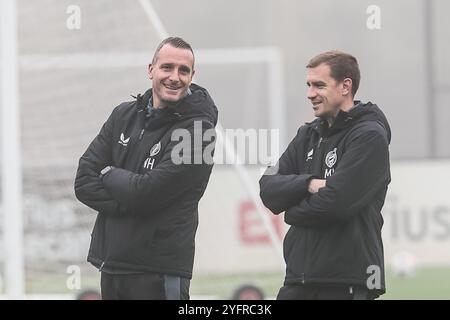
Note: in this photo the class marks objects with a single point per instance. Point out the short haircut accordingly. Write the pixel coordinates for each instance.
(175, 42)
(342, 65)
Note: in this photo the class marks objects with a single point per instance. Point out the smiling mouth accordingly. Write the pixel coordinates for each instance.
(172, 88)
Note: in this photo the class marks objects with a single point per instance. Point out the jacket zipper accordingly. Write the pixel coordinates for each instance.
(101, 267)
(141, 134)
(320, 141)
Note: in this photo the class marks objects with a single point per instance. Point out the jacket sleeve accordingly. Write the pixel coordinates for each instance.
(89, 188)
(163, 185)
(280, 186)
(362, 171)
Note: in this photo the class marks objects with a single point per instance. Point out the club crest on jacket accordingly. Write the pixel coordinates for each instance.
(331, 158)
(155, 149)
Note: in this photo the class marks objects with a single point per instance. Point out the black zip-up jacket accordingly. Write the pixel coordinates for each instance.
(148, 204)
(335, 234)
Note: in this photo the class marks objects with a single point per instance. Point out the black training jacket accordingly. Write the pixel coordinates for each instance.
(335, 234)
(148, 203)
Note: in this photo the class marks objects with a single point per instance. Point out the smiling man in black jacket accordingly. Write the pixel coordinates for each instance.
(146, 188)
(331, 182)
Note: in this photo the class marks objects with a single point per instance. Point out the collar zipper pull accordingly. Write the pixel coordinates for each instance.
(141, 134)
(320, 141)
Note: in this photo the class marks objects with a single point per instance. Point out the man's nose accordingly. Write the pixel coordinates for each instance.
(174, 76)
(311, 93)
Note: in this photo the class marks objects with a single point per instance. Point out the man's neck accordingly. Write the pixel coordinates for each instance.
(160, 104)
(347, 106)
(330, 121)
(344, 107)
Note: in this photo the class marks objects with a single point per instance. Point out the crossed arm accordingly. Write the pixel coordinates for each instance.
(362, 170)
(162, 186)
(89, 188)
(281, 187)
(122, 191)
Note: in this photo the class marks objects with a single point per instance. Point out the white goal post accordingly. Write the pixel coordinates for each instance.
(11, 159)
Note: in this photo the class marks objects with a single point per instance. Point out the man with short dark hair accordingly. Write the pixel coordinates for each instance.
(331, 182)
(146, 198)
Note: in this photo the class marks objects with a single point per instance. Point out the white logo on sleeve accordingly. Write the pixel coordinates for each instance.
(331, 158)
(309, 155)
(155, 149)
(123, 141)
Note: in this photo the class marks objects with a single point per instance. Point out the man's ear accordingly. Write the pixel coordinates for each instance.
(347, 85)
(150, 71)
(192, 75)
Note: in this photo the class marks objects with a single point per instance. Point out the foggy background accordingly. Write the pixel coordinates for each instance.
(404, 70)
